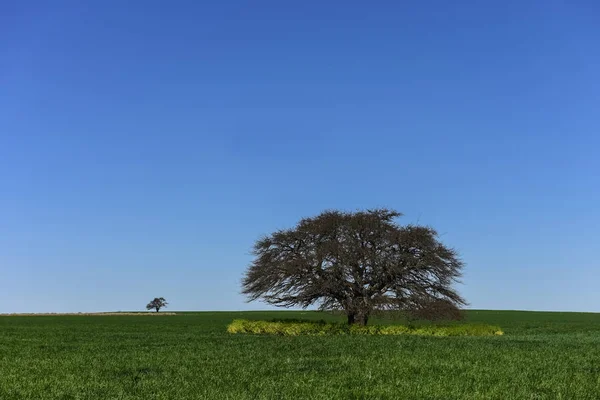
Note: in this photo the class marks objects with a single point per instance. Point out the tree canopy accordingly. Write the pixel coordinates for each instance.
(157, 304)
(359, 262)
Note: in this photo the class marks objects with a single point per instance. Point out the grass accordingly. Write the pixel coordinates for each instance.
(120, 313)
(319, 328)
(191, 356)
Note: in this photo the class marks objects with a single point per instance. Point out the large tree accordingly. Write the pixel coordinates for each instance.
(358, 262)
(157, 304)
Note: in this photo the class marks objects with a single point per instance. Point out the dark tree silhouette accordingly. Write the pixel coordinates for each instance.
(157, 304)
(434, 309)
(358, 262)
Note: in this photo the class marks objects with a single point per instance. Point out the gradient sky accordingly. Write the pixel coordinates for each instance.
(145, 145)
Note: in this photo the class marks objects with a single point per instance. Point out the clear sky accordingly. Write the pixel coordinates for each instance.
(145, 145)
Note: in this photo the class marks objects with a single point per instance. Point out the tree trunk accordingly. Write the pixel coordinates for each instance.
(364, 319)
(360, 319)
(351, 318)
(157, 308)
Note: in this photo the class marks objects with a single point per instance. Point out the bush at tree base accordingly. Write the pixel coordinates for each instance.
(321, 328)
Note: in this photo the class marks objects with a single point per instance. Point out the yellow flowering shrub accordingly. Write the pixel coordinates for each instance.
(321, 328)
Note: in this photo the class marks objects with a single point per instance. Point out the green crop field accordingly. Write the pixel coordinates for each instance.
(191, 356)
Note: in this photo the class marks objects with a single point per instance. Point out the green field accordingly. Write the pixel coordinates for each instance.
(190, 356)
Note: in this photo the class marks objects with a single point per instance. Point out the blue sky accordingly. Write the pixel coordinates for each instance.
(145, 146)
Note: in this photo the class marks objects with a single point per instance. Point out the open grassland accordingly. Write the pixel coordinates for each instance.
(191, 356)
(162, 314)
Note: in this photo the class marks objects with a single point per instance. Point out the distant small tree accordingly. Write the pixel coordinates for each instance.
(361, 263)
(157, 304)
